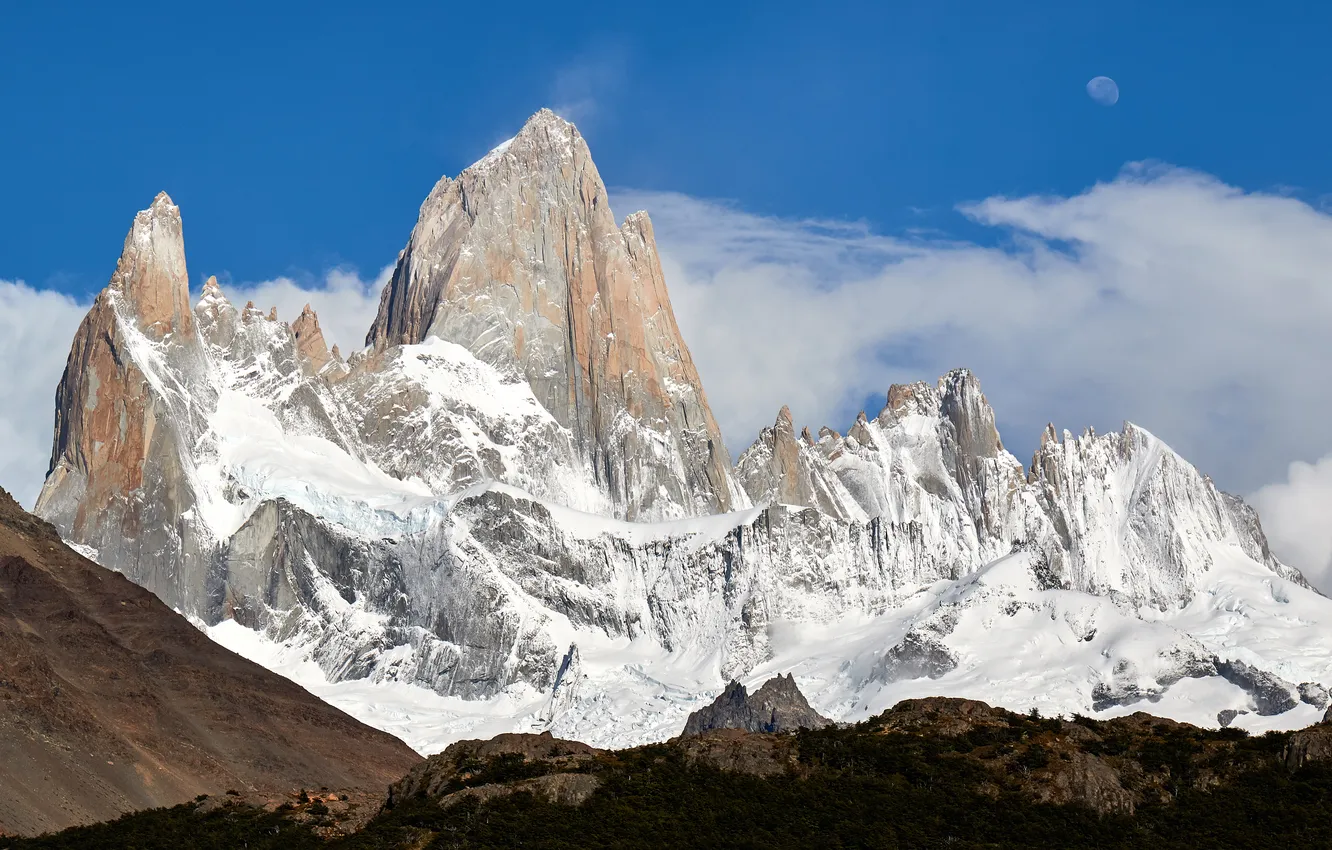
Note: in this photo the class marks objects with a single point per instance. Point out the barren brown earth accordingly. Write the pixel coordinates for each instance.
(111, 702)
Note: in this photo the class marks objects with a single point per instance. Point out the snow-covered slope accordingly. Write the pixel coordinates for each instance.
(433, 533)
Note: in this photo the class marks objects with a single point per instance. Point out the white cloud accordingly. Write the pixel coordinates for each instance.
(579, 91)
(1297, 516)
(1165, 297)
(36, 328)
(345, 303)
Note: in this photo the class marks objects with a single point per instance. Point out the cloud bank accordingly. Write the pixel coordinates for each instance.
(1165, 297)
(36, 328)
(1297, 516)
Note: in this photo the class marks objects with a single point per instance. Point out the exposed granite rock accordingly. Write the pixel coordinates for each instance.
(520, 261)
(116, 480)
(1186, 659)
(1271, 694)
(778, 706)
(1227, 716)
(918, 656)
(310, 339)
(1313, 744)
(151, 274)
(1314, 694)
(567, 789)
(741, 751)
(779, 469)
(946, 716)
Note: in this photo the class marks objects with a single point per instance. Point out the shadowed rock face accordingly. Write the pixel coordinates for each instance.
(110, 702)
(520, 261)
(778, 706)
(1313, 744)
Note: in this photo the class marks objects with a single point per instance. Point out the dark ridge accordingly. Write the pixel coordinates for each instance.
(928, 773)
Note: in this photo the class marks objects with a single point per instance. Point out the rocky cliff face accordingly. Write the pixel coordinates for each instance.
(450, 508)
(519, 260)
(778, 706)
(1113, 514)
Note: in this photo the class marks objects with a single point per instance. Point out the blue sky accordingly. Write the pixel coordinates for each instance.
(844, 197)
(298, 137)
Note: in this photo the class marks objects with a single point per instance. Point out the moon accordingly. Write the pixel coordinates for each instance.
(1103, 90)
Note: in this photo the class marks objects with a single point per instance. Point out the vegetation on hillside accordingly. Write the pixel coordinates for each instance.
(924, 777)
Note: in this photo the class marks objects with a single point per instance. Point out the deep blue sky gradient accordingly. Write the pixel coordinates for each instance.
(300, 137)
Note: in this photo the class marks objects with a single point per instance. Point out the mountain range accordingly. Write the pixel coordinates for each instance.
(513, 509)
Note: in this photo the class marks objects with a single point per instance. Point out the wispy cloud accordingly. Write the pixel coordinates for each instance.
(582, 90)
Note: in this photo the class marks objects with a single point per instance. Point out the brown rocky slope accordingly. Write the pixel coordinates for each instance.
(111, 702)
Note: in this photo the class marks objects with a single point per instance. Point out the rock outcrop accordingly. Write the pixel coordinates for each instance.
(778, 706)
(781, 469)
(1310, 745)
(310, 339)
(483, 770)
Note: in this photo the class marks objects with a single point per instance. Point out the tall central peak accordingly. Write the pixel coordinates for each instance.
(520, 260)
(520, 189)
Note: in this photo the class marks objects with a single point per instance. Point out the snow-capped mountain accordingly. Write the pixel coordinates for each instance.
(514, 510)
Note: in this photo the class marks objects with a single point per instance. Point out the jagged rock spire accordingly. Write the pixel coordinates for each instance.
(116, 457)
(779, 469)
(520, 260)
(778, 706)
(310, 339)
(97, 399)
(151, 274)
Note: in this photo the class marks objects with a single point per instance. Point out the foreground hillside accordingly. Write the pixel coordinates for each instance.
(111, 702)
(927, 773)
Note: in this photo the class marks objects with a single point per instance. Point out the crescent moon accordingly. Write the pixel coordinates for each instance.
(1103, 90)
